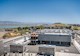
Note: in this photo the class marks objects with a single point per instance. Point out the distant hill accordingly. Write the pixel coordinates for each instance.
(75, 25)
(12, 24)
(59, 25)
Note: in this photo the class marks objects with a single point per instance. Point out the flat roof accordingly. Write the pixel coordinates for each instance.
(71, 49)
(21, 41)
(54, 31)
(57, 33)
(47, 46)
(10, 39)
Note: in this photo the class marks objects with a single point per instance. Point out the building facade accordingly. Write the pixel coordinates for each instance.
(62, 40)
(46, 50)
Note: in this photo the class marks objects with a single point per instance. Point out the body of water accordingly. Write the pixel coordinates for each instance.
(10, 26)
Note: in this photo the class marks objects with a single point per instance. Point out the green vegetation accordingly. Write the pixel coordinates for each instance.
(75, 28)
(22, 30)
(60, 26)
(40, 27)
(16, 32)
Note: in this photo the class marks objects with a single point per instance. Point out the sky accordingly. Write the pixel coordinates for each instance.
(40, 11)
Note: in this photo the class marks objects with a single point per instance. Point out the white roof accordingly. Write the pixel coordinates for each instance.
(47, 46)
(57, 33)
(17, 40)
(21, 41)
(10, 39)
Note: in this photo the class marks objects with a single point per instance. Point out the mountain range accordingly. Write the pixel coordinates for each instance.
(12, 24)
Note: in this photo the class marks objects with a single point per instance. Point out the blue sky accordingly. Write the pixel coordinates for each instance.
(40, 11)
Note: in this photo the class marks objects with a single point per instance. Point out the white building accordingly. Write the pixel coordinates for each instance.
(55, 37)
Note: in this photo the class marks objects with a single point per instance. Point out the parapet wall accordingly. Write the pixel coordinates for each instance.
(65, 54)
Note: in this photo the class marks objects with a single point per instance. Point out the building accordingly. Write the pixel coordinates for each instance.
(1, 48)
(14, 45)
(46, 50)
(18, 48)
(52, 50)
(76, 40)
(19, 45)
(34, 38)
(54, 42)
(57, 37)
(41, 50)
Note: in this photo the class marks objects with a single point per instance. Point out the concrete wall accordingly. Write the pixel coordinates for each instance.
(16, 48)
(1, 48)
(77, 45)
(33, 49)
(46, 50)
(61, 38)
(66, 54)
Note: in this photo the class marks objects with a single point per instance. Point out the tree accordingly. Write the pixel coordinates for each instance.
(40, 27)
(25, 27)
(19, 28)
